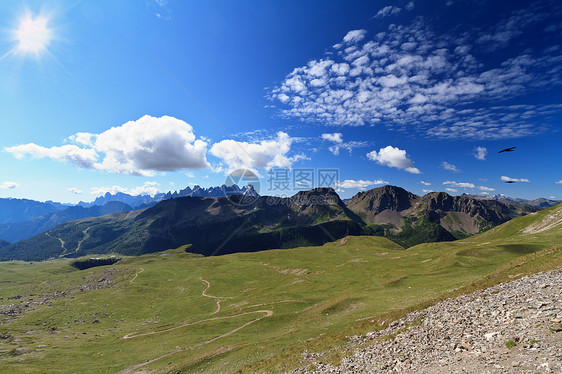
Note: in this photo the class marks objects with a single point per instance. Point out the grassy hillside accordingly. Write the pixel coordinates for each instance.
(248, 312)
(211, 225)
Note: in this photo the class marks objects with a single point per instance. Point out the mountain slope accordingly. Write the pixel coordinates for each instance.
(19, 210)
(278, 309)
(410, 219)
(210, 225)
(14, 232)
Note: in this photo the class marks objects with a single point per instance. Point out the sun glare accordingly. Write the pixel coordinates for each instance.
(33, 35)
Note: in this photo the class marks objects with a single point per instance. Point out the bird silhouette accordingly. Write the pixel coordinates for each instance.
(507, 150)
(509, 181)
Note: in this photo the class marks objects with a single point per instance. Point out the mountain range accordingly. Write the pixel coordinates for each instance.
(21, 219)
(219, 225)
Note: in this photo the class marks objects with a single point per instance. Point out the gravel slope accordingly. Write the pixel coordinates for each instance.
(468, 334)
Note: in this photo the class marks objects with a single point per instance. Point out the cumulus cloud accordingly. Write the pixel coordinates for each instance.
(9, 185)
(138, 147)
(360, 184)
(393, 157)
(74, 190)
(450, 189)
(151, 144)
(354, 36)
(447, 166)
(508, 179)
(416, 77)
(459, 184)
(83, 157)
(480, 153)
(148, 188)
(425, 183)
(264, 154)
(427, 191)
(484, 188)
(559, 182)
(336, 137)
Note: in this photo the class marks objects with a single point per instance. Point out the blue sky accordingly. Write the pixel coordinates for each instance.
(147, 96)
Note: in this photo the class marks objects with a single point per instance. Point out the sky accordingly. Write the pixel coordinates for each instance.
(151, 96)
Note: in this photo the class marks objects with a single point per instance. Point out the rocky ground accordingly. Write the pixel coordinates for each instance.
(513, 327)
(15, 306)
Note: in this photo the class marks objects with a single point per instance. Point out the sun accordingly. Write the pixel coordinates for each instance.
(33, 35)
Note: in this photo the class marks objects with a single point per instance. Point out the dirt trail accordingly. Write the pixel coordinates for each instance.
(61, 244)
(86, 236)
(266, 314)
(136, 275)
(217, 298)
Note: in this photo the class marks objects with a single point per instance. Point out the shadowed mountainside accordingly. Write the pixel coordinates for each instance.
(211, 225)
(410, 219)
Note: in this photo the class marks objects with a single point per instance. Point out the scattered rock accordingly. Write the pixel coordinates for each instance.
(467, 334)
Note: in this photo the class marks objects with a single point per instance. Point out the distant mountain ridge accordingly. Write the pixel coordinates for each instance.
(225, 225)
(145, 201)
(410, 219)
(211, 225)
(20, 210)
(538, 203)
(21, 219)
(14, 232)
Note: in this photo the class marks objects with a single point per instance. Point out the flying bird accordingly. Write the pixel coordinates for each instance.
(507, 150)
(509, 181)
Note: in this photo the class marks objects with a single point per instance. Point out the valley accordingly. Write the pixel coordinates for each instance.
(248, 312)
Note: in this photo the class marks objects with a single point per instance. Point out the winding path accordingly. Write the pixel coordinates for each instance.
(218, 298)
(136, 275)
(86, 236)
(266, 314)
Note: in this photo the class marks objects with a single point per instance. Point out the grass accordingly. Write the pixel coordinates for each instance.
(318, 296)
(510, 344)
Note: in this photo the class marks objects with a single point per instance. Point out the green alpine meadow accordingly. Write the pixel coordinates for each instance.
(174, 311)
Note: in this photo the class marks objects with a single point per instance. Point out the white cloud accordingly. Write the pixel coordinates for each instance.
(447, 166)
(75, 190)
(151, 144)
(480, 153)
(413, 77)
(458, 184)
(112, 190)
(427, 191)
(484, 188)
(148, 188)
(425, 183)
(138, 147)
(410, 5)
(393, 157)
(388, 10)
(354, 36)
(508, 179)
(336, 137)
(451, 190)
(83, 157)
(9, 185)
(559, 182)
(264, 154)
(360, 184)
